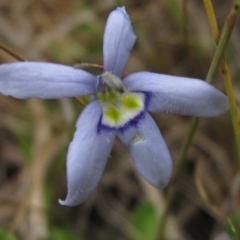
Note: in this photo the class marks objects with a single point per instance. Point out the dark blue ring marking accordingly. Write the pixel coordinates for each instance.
(132, 122)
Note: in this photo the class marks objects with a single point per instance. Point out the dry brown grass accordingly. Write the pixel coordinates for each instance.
(70, 32)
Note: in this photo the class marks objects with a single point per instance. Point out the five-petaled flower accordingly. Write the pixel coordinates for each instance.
(118, 107)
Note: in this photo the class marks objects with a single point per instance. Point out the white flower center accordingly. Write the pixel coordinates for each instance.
(119, 106)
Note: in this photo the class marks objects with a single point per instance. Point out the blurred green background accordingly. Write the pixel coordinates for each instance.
(173, 37)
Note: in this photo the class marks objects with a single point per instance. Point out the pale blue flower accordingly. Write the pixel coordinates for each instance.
(118, 107)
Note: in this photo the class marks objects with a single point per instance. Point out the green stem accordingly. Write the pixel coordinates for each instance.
(186, 143)
(223, 42)
(226, 77)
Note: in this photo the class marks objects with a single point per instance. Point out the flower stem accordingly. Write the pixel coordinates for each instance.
(226, 78)
(186, 143)
(217, 58)
(224, 40)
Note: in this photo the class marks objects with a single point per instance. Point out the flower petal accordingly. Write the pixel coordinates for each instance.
(179, 95)
(87, 155)
(119, 39)
(148, 151)
(44, 80)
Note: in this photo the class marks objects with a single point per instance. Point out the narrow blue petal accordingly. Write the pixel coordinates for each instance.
(119, 39)
(44, 80)
(87, 155)
(148, 151)
(180, 95)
